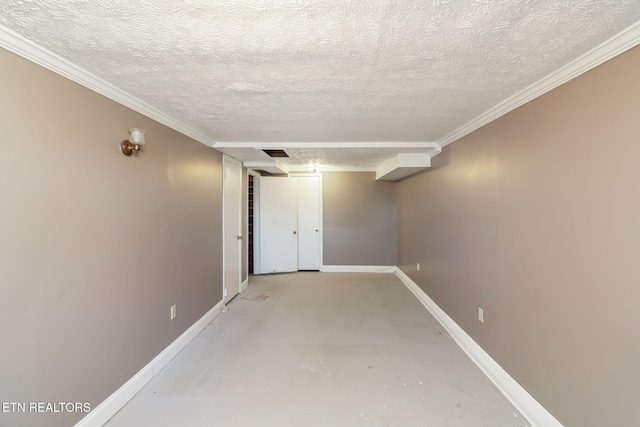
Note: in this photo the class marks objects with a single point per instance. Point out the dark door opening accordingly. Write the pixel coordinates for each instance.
(250, 183)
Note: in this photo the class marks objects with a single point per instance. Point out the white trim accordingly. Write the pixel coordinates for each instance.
(18, 44)
(616, 45)
(244, 285)
(245, 231)
(112, 404)
(530, 408)
(434, 151)
(358, 269)
(346, 144)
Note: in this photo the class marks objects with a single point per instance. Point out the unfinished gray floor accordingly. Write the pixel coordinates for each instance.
(318, 349)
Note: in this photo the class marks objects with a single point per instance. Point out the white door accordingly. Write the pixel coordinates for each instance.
(232, 233)
(309, 199)
(278, 225)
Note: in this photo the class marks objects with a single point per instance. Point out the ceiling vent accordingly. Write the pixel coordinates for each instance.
(276, 153)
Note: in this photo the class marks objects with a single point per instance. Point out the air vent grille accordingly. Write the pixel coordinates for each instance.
(276, 153)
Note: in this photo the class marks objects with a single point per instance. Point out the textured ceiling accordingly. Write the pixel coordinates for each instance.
(321, 71)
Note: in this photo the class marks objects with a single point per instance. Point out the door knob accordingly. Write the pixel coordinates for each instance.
(316, 231)
(295, 232)
(239, 237)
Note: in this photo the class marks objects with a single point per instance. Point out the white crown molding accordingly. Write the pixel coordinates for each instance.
(616, 45)
(19, 45)
(345, 144)
(434, 151)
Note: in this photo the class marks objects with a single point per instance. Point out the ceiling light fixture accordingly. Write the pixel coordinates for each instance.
(134, 143)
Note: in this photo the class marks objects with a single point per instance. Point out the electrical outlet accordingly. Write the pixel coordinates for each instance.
(418, 266)
(481, 314)
(173, 311)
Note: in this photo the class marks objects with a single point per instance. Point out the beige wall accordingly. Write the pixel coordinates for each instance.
(359, 219)
(95, 247)
(536, 219)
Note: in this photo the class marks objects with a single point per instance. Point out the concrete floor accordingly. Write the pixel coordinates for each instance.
(318, 349)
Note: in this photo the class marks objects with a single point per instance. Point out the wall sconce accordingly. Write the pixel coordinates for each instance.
(134, 143)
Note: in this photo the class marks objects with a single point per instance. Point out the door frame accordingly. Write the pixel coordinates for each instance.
(225, 160)
(256, 222)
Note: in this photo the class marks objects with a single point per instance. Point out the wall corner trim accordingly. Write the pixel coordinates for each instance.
(529, 407)
(112, 404)
(244, 285)
(27, 49)
(358, 269)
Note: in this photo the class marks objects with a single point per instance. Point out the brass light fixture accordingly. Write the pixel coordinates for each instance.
(134, 143)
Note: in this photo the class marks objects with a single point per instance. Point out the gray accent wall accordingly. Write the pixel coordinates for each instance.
(359, 219)
(536, 218)
(95, 247)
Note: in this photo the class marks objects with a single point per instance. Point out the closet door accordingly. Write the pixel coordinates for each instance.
(309, 208)
(278, 225)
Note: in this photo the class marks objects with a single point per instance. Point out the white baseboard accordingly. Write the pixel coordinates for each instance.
(107, 409)
(244, 285)
(529, 407)
(358, 269)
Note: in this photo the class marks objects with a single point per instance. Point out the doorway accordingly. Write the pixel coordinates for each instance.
(253, 222)
(232, 232)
